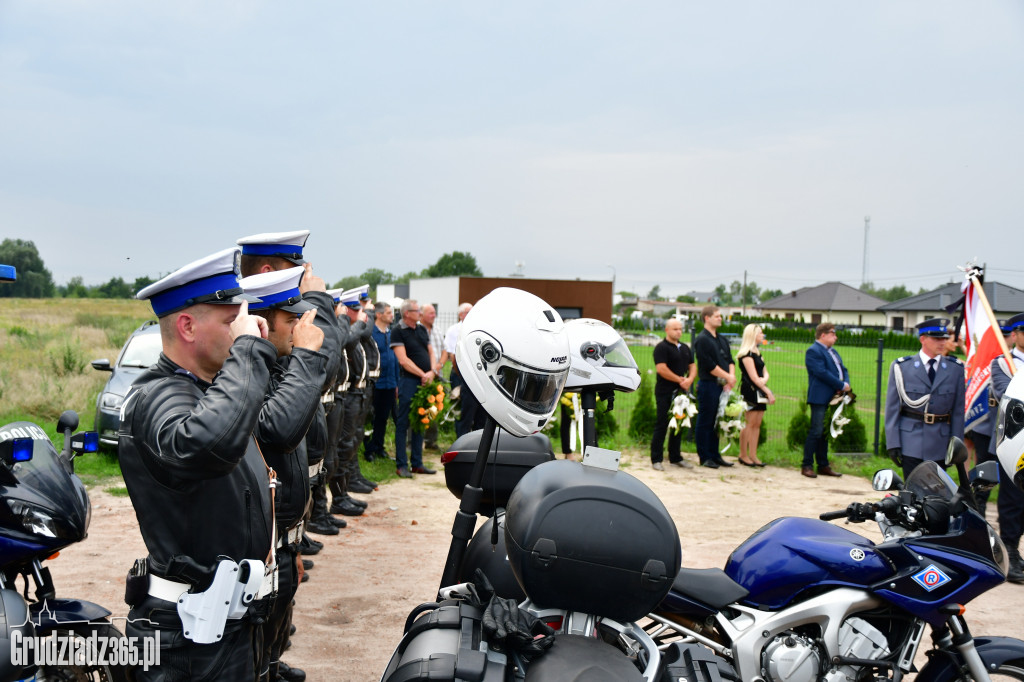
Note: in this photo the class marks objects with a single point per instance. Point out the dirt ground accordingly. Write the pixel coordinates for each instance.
(351, 612)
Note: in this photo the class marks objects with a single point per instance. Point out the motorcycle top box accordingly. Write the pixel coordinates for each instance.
(582, 538)
(509, 460)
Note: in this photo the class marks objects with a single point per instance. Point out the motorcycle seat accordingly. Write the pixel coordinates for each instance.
(710, 586)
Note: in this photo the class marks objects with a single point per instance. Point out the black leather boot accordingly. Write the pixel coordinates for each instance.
(1016, 572)
(320, 521)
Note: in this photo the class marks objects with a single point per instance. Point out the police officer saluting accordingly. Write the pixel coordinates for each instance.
(288, 411)
(197, 481)
(924, 405)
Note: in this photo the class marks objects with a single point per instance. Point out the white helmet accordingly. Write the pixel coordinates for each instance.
(1009, 433)
(513, 354)
(598, 358)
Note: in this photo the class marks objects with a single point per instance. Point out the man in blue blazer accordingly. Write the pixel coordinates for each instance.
(827, 376)
(924, 403)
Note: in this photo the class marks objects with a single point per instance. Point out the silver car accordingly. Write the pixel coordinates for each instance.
(140, 351)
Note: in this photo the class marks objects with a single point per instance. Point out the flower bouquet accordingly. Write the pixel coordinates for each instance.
(730, 418)
(681, 413)
(427, 404)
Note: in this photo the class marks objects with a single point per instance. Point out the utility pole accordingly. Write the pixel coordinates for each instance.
(744, 294)
(864, 271)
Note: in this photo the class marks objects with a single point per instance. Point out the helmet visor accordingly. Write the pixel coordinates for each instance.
(618, 355)
(530, 389)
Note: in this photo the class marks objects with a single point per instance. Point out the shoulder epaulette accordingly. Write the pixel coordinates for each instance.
(904, 358)
(955, 359)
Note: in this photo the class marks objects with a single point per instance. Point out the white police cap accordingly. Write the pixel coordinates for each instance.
(335, 294)
(287, 245)
(277, 289)
(351, 297)
(213, 279)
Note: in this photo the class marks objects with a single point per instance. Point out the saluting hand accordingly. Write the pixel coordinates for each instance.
(244, 323)
(307, 335)
(311, 282)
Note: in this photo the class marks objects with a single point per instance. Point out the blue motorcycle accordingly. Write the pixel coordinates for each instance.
(44, 507)
(802, 600)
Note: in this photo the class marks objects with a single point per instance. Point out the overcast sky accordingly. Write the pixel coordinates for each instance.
(674, 143)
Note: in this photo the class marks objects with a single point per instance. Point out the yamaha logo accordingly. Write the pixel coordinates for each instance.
(857, 554)
(562, 359)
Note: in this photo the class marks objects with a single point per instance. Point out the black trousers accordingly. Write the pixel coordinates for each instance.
(662, 404)
(384, 401)
(276, 629)
(181, 659)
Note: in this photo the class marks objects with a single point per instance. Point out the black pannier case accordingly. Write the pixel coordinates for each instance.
(509, 460)
(586, 539)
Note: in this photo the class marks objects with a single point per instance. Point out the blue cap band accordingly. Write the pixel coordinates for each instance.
(282, 250)
(925, 330)
(287, 297)
(219, 287)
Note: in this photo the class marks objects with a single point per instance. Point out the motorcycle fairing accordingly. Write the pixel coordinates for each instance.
(968, 578)
(791, 554)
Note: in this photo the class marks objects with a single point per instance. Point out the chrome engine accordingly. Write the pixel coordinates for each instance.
(793, 657)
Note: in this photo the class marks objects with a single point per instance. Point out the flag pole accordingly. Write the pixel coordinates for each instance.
(992, 321)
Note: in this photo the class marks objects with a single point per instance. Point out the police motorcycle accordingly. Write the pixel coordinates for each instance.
(591, 547)
(45, 508)
(802, 600)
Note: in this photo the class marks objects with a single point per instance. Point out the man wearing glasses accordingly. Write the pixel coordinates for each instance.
(826, 377)
(416, 361)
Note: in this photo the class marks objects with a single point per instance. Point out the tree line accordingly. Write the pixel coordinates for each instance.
(736, 294)
(36, 281)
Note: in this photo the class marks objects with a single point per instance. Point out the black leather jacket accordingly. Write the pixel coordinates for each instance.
(357, 369)
(194, 474)
(288, 411)
(327, 322)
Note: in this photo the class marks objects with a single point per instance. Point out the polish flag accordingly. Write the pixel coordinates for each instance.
(984, 341)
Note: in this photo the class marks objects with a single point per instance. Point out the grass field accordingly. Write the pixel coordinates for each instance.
(46, 346)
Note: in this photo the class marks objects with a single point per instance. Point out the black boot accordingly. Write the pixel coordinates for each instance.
(1016, 572)
(346, 506)
(289, 674)
(308, 546)
(355, 476)
(320, 520)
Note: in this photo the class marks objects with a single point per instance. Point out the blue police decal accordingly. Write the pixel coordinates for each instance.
(931, 578)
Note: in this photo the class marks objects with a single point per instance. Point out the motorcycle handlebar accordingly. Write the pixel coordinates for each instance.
(829, 516)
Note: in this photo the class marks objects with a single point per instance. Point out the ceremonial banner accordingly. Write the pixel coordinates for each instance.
(984, 342)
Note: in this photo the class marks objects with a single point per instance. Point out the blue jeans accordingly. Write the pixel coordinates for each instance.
(407, 387)
(816, 445)
(709, 393)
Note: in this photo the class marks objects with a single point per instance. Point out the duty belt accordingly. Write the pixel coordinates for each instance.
(315, 469)
(993, 402)
(361, 385)
(926, 417)
(342, 387)
(375, 374)
(327, 398)
(291, 537)
(171, 590)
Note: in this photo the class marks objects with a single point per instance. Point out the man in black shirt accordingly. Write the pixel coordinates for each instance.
(676, 372)
(416, 359)
(716, 372)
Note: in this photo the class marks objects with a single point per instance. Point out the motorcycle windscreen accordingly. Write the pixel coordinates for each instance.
(49, 504)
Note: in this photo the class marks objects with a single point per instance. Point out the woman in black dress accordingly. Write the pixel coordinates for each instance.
(755, 392)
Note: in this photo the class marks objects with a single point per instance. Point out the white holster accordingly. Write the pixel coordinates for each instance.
(204, 614)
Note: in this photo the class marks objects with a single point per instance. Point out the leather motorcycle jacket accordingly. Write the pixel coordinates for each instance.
(356, 356)
(195, 476)
(288, 411)
(327, 322)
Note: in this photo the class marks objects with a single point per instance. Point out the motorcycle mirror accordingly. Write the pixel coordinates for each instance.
(985, 476)
(68, 421)
(16, 450)
(956, 452)
(85, 441)
(886, 479)
(103, 365)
